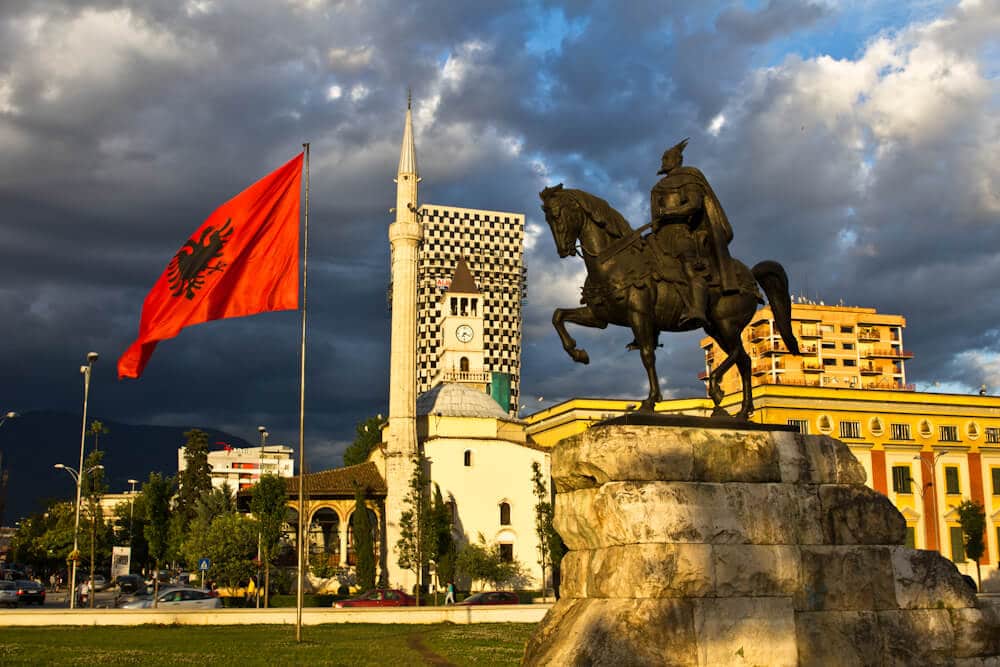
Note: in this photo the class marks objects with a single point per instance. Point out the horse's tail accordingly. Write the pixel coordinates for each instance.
(772, 278)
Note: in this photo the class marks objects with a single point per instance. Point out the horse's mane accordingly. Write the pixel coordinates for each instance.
(602, 213)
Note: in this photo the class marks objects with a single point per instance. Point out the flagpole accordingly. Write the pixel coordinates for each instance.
(302, 410)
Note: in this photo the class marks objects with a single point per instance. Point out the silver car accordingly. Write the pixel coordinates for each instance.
(8, 593)
(177, 598)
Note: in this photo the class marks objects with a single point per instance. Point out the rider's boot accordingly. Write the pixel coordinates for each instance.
(695, 315)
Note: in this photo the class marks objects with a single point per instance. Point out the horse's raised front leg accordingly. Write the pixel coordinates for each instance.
(582, 316)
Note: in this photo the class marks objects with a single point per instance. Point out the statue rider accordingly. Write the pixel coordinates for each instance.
(690, 225)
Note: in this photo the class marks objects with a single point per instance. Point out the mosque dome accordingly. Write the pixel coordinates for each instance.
(457, 400)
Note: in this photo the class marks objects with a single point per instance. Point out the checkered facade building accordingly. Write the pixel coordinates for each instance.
(492, 243)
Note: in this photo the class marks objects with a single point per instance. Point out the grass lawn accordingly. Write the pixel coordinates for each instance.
(273, 645)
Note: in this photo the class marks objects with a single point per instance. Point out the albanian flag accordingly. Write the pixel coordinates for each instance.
(243, 260)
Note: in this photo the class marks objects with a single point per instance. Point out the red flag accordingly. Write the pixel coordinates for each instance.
(243, 260)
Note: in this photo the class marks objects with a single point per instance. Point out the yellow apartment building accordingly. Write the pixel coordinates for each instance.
(841, 346)
(926, 452)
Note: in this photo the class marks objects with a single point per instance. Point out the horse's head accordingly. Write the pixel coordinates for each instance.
(564, 216)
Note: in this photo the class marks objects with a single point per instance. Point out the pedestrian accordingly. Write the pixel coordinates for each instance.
(449, 597)
(52, 583)
(84, 593)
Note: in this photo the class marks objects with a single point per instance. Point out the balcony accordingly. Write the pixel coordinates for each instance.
(808, 348)
(466, 376)
(794, 381)
(703, 375)
(809, 331)
(760, 333)
(811, 367)
(869, 334)
(766, 367)
(887, 353)
(772, 347)
(889, 383)
(870, 369)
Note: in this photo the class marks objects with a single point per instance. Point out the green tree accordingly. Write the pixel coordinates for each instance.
(269, 503)
(972, 519)
(416, 541)
(543, 519)
(195, 480)
(129, 525)
(97, 429)
(444, 549)
(157, 493)
(368, 434)
(364, 541)
(482, 562)
(194, 542)
(231, 544)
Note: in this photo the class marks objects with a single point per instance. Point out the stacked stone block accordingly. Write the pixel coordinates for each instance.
(700, 546)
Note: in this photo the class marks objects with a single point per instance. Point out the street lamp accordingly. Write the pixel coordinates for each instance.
(76, 479)
(131, 508)
(86, 372)
(9, 415)
(260, 475)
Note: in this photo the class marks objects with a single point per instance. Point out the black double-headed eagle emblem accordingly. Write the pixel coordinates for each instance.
(187, 270)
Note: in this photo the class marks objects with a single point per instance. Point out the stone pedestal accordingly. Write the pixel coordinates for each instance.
(703, 546)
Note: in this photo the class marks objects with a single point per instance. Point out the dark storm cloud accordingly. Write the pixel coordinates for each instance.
(123, 124)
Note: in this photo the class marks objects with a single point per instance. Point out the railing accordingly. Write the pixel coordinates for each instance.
(798, 382)
(466, 376)
(811, 367)
(888, 353)
(808, 348)
(760, 332)
(869, 334)
(772, 347)
(703, 375)
(870, 369)
(886, 383)
(810, 331)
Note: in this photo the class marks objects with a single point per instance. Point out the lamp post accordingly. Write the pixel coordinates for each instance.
(86, 372)
(9, 415)
(131, 509)
(260, 475)
(76, 530)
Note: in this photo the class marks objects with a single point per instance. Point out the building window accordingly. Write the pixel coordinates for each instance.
(850, 362)
(468, 458)
(948, 433)
(951, 485)
(848, 346)
(911, 537)
(996, 482)
(507, 553)
(957, 544)
(850, 429)
(504, 514)
(846, 329)
(801, 424)
(899, 432)
(901, 480)
(463, 364)
(829, 362)
(993, 435)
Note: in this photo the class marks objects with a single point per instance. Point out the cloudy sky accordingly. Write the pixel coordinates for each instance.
(855, 141)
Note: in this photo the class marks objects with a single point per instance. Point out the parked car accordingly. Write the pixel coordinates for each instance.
(492, 597)
(8, 593)
(174, 598)
(29, 592)
(100, 582)
(129, 583)
(380, 597)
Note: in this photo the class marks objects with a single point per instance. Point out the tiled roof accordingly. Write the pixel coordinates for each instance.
(457, 400)
(340, 481)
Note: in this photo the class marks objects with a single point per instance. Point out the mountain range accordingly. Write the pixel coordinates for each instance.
(32, 443)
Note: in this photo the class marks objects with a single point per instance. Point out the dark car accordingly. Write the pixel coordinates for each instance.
(492, 597)
(380, 597)
(129, 583)
(28, 592)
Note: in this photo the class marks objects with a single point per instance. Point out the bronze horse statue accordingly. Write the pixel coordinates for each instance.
(624, 287)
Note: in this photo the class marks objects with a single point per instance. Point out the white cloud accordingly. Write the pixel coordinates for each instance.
(358, 92)
(717, 124)
(343, 59)
(334, 92)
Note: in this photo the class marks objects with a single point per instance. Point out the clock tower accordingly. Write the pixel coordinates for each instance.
(461, 356)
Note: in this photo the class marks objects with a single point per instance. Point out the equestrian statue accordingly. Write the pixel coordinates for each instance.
(677, 277)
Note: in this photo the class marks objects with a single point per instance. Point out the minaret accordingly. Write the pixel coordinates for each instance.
(401, 444)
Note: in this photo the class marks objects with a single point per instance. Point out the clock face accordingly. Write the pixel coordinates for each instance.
(464, 333)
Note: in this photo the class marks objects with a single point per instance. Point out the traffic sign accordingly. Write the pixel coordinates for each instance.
(203, 564)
